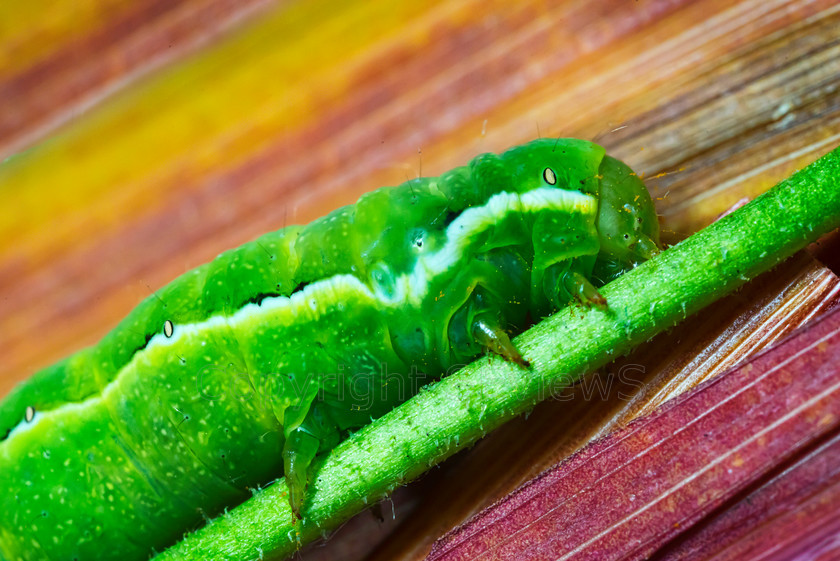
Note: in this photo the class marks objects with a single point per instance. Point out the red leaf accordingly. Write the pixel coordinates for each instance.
(634, 491)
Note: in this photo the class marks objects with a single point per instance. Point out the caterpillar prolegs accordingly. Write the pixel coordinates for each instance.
(248, 367)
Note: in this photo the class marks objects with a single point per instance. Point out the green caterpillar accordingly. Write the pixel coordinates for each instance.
(247, 367)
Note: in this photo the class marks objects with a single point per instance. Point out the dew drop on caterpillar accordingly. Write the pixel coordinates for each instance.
(248, 367)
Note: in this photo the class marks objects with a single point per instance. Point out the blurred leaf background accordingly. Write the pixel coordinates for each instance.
(143, 137)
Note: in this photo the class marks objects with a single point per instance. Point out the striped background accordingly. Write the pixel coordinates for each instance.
(143, 137)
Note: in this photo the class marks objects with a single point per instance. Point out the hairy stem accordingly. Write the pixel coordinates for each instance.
(462, 408)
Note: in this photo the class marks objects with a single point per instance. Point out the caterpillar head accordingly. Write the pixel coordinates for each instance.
(627, 227)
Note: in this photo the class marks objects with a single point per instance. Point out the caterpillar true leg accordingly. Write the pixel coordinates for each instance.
(645, 248)
(493, 338)
(298, 452)
(579, 286)
(480, 322)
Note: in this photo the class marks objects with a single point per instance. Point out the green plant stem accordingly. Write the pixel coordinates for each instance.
(462, 408)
